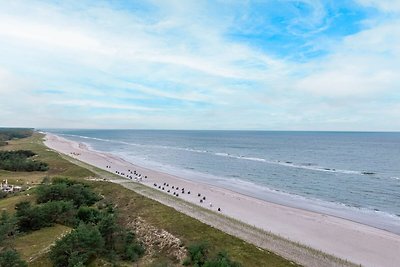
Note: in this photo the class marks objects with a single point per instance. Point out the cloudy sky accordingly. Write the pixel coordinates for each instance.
(174, 64)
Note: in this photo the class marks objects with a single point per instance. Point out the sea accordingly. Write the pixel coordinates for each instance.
(351, 175)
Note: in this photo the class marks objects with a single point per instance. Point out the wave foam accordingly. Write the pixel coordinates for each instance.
(305, 166)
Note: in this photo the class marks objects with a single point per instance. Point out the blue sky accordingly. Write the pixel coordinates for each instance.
(264, 65)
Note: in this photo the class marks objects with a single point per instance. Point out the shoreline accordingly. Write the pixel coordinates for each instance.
(376, 218)
(339, 210)
(342, 238)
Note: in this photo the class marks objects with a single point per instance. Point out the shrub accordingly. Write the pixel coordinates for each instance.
(11, 258)
(3, 194)
(132, 250)
(79, 247)
(119, 243)
(30, 218)
(14, 133)
(34, 218)
(62, 189)
(88, 215)
(198, 256)
(20, 161)
(7, 226)
(222, 260)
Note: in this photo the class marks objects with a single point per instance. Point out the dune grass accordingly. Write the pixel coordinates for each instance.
(187, 229)
(37, 243)
(8, 204)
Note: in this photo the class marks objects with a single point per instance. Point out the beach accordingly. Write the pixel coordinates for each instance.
(342, 238)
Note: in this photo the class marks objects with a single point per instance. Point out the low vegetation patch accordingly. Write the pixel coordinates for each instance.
(11, 258)
(32, 246)
(96, 232)
(13, 133)
(199, 256)
(21, 160)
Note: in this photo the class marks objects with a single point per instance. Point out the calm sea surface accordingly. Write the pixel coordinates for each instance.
(347, 174)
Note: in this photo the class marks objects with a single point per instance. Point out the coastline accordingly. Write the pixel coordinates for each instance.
(345, 239)
(376, 219)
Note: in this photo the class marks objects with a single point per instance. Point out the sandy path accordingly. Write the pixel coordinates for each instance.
(348, 240)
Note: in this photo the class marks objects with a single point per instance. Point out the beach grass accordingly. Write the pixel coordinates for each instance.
(38, 243)
(132, 205)
(187, 229)
(8, 204)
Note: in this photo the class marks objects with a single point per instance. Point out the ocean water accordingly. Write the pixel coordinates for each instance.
(353, 175)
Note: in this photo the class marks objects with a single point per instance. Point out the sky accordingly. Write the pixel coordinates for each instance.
(174, 64)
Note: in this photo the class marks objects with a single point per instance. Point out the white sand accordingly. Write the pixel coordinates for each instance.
(345, 239)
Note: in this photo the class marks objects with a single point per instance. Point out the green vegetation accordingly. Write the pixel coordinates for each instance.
(20, 160)
(8, 204)
(97, 233)
(7, 227)
(79, 247)
(31, 218)
(32, 245)
(64, 189)
(199, 257)
(11, 258)
(112, 217)
(13, 133)
(187, 229)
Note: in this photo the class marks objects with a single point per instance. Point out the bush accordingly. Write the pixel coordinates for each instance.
(3, 194)
(8, 226)
(63, 189)
(11, 258)
(132, 250)
(119, 243)
(222, 260)
(88, 215)
(34, 218)
(19, 161)
(79, 247)
(14, 133)
(30, 218)
(198, 256)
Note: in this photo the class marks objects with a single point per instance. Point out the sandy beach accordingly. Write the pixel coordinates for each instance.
(357, 243)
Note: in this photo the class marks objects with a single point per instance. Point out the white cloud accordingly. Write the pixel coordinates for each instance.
(97, 56)
(362, 65)
(390, 6)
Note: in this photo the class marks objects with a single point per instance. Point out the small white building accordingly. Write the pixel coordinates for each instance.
(9, 188)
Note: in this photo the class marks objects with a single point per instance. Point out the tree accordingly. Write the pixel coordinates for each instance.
(11, 258)
(88, 215)
(108, 228)
(7, 226)
(81, 246)
(63, 189)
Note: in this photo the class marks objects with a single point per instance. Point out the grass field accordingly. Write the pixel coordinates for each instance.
(37, 243)
(132, 205)
(8, 204)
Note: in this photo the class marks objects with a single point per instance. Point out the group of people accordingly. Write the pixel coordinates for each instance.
(132, 174)
(175, 191)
